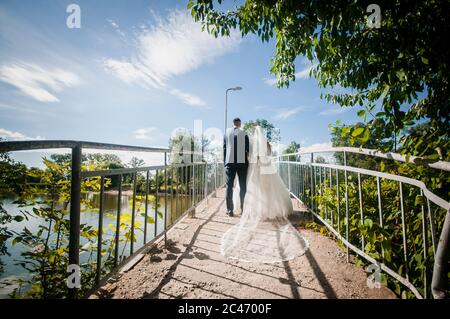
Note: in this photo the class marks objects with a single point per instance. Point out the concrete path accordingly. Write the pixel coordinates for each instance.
(191, 266)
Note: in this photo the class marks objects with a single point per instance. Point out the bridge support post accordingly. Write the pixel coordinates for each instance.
(215, 181)
(75, 205)
(439, 280)
(205, 180)
(191, 212)
(289, 175)
(346, 208)
(165, 198)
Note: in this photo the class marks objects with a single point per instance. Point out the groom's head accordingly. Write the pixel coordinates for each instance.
(237, 122)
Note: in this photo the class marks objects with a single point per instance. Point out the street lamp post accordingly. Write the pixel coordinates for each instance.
(237, 88)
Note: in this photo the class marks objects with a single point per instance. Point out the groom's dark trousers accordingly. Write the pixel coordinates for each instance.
(230, 172)
(233, 168)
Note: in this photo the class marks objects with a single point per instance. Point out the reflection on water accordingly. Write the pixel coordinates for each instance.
(90, 217)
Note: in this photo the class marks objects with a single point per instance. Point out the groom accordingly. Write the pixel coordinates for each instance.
(235, 158)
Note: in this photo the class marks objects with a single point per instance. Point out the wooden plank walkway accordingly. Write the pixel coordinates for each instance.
(191, 266)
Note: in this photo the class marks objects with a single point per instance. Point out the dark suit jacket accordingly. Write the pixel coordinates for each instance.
(234, 151)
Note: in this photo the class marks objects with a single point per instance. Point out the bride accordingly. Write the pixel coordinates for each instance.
(263, 234)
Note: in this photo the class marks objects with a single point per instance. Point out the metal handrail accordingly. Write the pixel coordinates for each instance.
(208, 184)
(120, 171)
(198, 190)
(202, 186)
(442, 165)
(55, 144)
(431, 196)
(307, 180)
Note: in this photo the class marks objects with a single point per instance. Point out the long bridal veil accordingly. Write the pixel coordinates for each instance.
(263, 233)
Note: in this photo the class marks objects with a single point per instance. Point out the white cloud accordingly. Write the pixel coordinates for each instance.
(17, 136)
(270, 81)
(131, 73)
(335, 110)
(38, 82)
(11, 109)
(284, 114)
(145, 133)
(177, 45)
(116, 27)
(172, 46)
(316, 147)
(149, 134)
(188, 98)
(260, 107)
(302, 74)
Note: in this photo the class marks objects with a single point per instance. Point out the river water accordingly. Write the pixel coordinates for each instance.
(12, 271)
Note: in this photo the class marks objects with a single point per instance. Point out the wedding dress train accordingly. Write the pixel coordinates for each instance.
(263, 233)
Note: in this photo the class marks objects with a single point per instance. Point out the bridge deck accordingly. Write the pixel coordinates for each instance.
(191, 266)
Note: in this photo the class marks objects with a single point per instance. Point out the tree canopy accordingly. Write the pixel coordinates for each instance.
(398, 73)
(272, 134)
(188, 148)
(293, 147)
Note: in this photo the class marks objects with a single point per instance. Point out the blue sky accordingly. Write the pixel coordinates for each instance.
(137, 70)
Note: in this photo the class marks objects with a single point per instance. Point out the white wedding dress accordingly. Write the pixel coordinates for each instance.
(263, 233)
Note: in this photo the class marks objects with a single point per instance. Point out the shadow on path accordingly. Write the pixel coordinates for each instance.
(327, 288)
(185, 254)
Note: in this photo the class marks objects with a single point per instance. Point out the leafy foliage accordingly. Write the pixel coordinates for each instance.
(293, 147)
(188, 148)
(272, 134)
(398, 73)
(45, 253)
(342, 135)
(387, 238)
(382, 239)
(12, 176)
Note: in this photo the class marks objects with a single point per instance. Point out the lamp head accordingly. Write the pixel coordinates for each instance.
(237, 88)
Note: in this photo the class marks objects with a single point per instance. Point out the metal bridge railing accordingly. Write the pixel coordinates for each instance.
(331, 191)
(182, 187)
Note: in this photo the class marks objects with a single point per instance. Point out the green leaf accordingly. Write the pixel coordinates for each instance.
(434, 156)
(150, 220)
(16, 240)
(424, 60)
(419, 200)
(345, 131)
(368, 223)
(18, 218)
(361, 113)
(400, 74)
(356, 132)
(365, 136)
